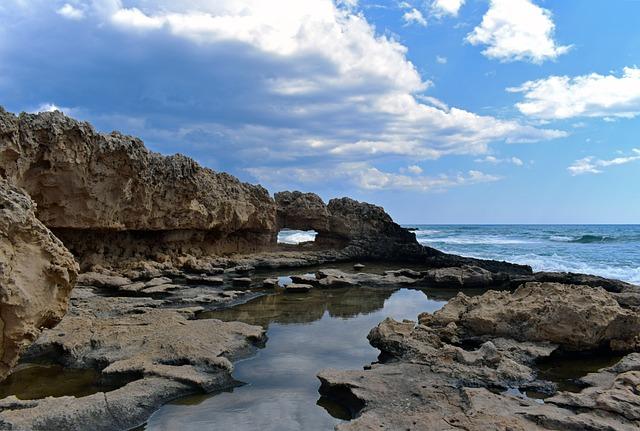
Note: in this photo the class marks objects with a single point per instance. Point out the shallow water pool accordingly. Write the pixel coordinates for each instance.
(307, 333)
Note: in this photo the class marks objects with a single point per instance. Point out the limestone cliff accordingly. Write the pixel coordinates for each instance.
(111, 186)
(37, 274)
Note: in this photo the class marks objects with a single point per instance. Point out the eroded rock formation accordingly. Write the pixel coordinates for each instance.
(37, 274)
(573, 317)
(107, 194)
(453, 369)
(154, 347)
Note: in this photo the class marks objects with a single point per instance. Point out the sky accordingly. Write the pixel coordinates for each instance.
(441, 111)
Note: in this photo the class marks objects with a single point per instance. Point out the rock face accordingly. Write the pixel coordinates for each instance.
(301, 211)
(37, 274)
(362, 230)
(114, 189)
(431, 379)
(574, 317)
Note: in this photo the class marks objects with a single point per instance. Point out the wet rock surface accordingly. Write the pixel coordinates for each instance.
(37, 274)
(152, 342)
(453, 369)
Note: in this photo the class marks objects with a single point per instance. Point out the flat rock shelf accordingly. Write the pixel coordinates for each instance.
(306, 333)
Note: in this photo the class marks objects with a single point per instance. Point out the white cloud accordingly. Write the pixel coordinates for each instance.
(441, 59)
(414, 16)
(594, 95)
(275, 84)
(370, 75)
(367, 177)
(446, 7)
(592, 165)
(495, 161)
(517, 30)
(411, 169)
(48, 107)
(70, 12)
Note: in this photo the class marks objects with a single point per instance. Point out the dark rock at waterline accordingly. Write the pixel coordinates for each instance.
(241, 281)
(585, 280)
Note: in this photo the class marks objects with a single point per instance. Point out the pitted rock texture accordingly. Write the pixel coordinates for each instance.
(430, 378)
(84, 180)
(158, 350)
(574, 317)
(37, 274)
(302, 211)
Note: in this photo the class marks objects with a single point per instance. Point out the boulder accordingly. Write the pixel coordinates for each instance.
(574, 317)
(37, 274)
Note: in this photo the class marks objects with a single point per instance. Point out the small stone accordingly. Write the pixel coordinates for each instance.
(298, 288)
(358, 266)
(270, 283)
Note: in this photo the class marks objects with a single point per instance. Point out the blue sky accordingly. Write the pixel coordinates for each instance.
(442, 111)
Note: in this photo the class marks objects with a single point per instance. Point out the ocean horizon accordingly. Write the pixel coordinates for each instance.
(607, 250)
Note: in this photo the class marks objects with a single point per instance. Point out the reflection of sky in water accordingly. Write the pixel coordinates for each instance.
(282, 388)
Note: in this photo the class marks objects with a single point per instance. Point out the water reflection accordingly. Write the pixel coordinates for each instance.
(36, 381)
(322, 329)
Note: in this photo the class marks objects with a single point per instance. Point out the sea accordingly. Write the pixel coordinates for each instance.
(611, 251)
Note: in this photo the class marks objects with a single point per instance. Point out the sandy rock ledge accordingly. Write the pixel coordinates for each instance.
(37, 274)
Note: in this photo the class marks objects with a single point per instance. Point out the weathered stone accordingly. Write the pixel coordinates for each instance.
(301, 211)
(102, 280)
(428, 382)
(575, 317)
(463, 277)
(205, 280)
(108, 195)
(166, 351)
(37, 274)
(297, 288)
(271, 283)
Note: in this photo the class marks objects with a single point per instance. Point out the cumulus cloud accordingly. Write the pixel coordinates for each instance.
(70, 12)
(414, 16)
(441, 59)
(447, 7)
(495, 160)
(592, 165)
(594, 95)
(366, 177)
(517, 30)
(246, 83)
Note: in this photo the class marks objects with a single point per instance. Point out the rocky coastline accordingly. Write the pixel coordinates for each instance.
(110, 253)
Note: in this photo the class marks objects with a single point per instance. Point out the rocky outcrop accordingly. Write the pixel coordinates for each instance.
(155, 348)
(464, 366)
(573, 317)
(110, 189)
(301, 211)
(360, 230)
(37, 274)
